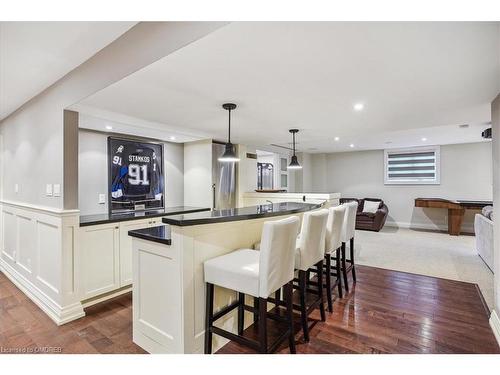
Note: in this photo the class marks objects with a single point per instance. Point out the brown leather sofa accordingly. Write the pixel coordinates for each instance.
(367, 220)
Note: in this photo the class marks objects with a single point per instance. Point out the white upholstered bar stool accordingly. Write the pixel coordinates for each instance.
(310, 252)
(348, 232)
(257, 273)
(333, 243)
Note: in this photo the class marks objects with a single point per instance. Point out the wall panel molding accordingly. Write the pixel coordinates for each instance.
(495, 325)
(39, 253)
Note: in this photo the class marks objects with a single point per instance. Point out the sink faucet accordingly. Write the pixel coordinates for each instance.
(267, 200)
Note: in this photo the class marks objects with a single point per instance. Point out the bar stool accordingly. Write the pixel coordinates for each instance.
(348, 232)
(333, 244)
(257, 273)
(310, 252)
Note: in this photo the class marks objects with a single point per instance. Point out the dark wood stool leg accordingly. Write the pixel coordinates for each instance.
(329, 282)
(256, 309)
(303, 307)
(320, 290)
(338, 272)
(263, 325)
(277, 296)
(209, 315)
(241, 313)
(288, 291)
(344, 268)
(352, 260)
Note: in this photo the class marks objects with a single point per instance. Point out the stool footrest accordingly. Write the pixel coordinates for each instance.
(234, 337)
(270, 315)
(219, 314)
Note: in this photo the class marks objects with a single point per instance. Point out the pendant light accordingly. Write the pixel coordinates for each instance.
(294, 163)
(230, 152)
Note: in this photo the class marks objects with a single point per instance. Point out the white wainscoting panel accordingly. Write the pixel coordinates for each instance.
(495, 325)
(39, 255)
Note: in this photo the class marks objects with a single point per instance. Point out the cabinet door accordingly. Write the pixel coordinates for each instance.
(126, 248)
(100, 257)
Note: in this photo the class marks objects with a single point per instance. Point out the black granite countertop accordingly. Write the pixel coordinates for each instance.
(87, 220)
(160, 234)
(243, 213)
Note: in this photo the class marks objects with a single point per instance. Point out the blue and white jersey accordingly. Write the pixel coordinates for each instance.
(136, 173)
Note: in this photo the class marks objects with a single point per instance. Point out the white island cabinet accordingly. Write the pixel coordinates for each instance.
(107, 256)
(168, 286)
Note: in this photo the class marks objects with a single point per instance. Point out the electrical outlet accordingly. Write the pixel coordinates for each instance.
(102, 198)
(57, 190)
(48, 190)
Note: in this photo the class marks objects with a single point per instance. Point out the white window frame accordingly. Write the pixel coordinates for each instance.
(410, 150)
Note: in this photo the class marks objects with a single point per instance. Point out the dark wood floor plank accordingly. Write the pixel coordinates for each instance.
(396, 312)
(386, 312)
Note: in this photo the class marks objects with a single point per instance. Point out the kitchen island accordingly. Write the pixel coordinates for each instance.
(168, 283)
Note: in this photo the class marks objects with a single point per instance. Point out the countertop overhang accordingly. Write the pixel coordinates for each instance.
(160, 234)
(242, 213)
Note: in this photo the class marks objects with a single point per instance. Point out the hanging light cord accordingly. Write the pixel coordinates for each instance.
(293, 136)
(229, 136)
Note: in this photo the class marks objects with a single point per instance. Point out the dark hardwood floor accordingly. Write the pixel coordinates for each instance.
(387, 312)
(107, 328)
(397, 312)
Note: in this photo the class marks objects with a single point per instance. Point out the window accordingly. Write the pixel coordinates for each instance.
(413, 166)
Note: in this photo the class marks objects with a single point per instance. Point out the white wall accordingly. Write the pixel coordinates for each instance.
(246, 172)
(198, 174)
(466, 173)
(93, 172)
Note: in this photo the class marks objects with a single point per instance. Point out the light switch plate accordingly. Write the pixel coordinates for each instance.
(102, 198)
(16, 188)
(48, 190)
(57, 190)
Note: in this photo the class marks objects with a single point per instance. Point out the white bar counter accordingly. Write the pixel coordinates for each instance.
(168, 282)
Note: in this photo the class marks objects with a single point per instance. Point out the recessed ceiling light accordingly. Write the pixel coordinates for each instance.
(424, 139)
(336, 139)
(388, 142)
(463, 126)
(358, 107)
(351, 145)
(109, 127)
(172, 138)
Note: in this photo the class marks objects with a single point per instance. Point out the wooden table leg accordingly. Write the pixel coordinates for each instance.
(455, 218)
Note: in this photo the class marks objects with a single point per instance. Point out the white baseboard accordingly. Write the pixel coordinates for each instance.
(495, 325)
(106, 296)
(59, 314)
(443, 227)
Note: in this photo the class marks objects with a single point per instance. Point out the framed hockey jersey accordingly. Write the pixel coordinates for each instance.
(136, 179)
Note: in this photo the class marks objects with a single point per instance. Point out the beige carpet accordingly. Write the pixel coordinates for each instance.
(425, 253)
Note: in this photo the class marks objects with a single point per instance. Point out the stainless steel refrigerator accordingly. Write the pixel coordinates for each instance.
(223, 180)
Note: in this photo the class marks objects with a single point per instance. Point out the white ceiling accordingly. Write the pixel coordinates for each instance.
(34, 55)
(415, 79)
